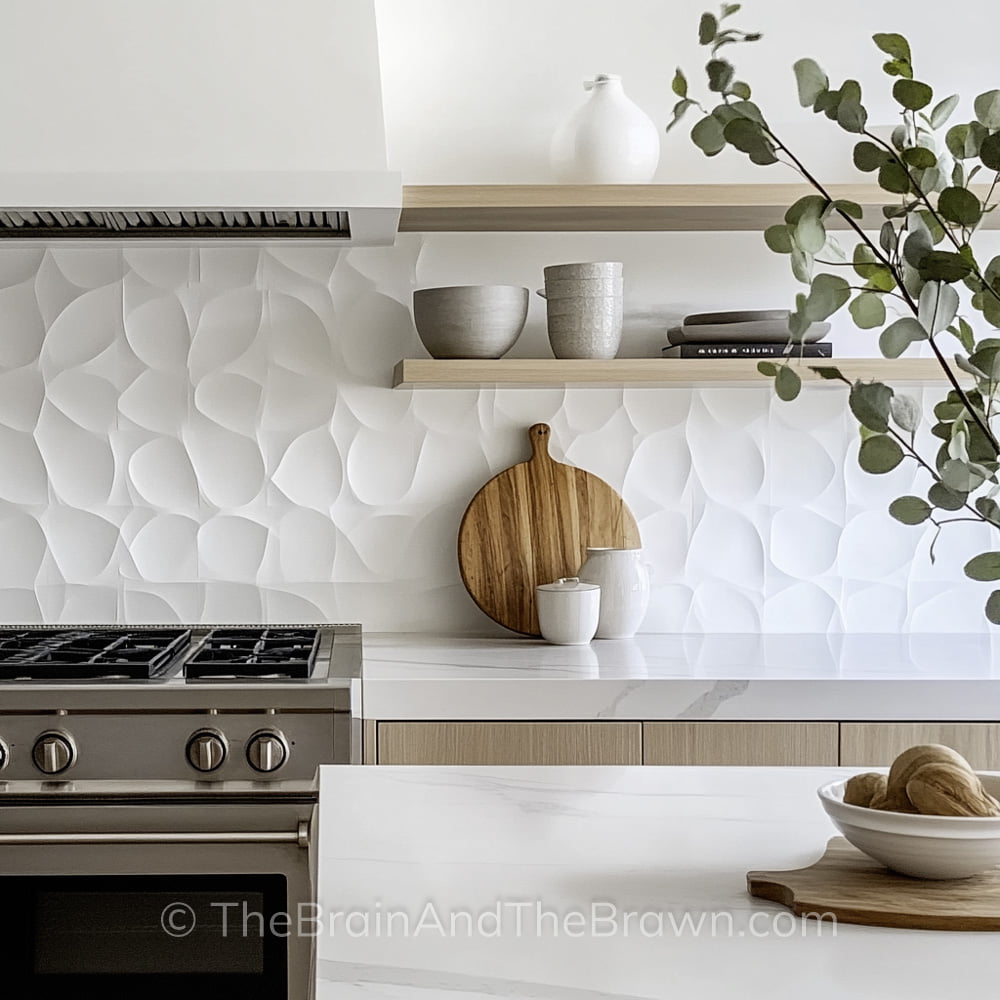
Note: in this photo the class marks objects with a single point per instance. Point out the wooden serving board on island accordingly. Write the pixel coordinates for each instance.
(854, 889)
(532, 524)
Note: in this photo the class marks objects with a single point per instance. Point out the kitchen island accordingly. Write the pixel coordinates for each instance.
(515, 882)
(777, 699)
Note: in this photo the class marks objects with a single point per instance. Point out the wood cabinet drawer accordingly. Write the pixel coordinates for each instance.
(740, 743)
(509, 743)
(878, 743)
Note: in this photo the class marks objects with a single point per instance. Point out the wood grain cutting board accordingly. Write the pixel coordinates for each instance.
(533, 524)
(858, 890)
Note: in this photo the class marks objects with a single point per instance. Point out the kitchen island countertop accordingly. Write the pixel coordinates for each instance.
(466, 883)
(795, 677)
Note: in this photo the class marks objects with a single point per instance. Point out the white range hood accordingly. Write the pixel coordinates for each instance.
(194, 119)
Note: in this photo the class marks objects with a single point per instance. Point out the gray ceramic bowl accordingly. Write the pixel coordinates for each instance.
(470, 321)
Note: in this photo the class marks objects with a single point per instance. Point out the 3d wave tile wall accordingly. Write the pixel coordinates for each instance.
(207, 435)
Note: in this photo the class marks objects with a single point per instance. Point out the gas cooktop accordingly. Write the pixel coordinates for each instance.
(230, 653)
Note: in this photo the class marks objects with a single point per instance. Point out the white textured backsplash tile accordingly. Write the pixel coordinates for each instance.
(209, 435)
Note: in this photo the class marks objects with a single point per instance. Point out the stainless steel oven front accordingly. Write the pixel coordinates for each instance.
(157, 890)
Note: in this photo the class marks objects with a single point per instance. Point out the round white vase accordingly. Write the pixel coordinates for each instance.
(624, 581)
(608, 140)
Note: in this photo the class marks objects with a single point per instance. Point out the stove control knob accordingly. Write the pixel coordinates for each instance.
(53, 753)
(206, 750)
(267, 751)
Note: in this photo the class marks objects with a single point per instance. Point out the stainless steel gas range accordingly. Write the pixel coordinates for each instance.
(158, 805)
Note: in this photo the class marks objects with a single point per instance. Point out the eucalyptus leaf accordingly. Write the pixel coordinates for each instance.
(968, 367)
(887, 238)
(810, 234)
(912, 94)
(905, 410)
(943, 265)
(919, 157)
(960, 205)
(944, 498)
(898, 336)
(729, 9)
(708, 28)
(869, 402)
(720, 74)
(768, 368)
(937, 306)
(984, 567)
(810, 203)
(879, 454)
(965, 141)
(811, 81)
(869, 157)
(802, 265)
(787, 383)
(740, 89)
(868, 311)
(829, 373)
(893, 45)
(849, 208)
(989, 151)
(993, 607)
(893, 177)
(828, 293)
(989, 510)
(943, 111)
(987, 107)
(778, 239)
(708, 136)
(960, 477)
(680, 109)
(910, 510)
(748, 137)
(679, 85)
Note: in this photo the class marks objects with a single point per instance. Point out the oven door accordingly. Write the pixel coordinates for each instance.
(186, 894)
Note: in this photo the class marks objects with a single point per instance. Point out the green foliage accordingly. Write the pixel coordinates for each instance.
(910, 510)
(922, 264)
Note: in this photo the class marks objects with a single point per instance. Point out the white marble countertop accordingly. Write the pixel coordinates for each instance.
(413, 875)
(932, 677)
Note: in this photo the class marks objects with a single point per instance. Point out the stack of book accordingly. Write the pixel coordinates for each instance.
(748, 334)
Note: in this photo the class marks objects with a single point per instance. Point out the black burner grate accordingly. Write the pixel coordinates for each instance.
(255, 653)
(77, 654)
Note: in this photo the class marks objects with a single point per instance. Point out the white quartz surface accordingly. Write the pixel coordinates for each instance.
(442, 848)
(934, 677)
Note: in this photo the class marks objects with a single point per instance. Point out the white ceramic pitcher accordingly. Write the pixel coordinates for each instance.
(624, 581)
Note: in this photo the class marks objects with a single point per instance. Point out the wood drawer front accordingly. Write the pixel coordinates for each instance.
(803, 744)
(879, 743)
(510, 743)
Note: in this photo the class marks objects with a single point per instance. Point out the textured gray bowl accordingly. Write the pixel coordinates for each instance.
(470, 321)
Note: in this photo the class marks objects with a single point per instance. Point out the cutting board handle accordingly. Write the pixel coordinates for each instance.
(539, 435)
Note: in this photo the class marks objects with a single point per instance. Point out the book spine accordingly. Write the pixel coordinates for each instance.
(748, 351)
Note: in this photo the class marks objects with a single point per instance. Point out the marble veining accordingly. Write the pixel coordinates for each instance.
(682, 676)
(670, 845)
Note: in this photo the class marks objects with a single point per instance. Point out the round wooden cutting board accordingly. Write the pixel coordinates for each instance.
(533, 524)
(855, 889)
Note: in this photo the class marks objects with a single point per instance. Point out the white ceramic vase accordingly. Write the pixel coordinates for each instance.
(624, 581)
(608, 140)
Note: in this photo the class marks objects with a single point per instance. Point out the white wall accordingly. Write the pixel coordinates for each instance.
(473, 89)
(209, 435)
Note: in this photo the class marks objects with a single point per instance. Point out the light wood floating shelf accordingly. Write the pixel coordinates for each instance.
(538, 373)
(522, 208)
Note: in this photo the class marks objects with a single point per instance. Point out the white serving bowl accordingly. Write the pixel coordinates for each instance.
(936, 847)
(470, 321)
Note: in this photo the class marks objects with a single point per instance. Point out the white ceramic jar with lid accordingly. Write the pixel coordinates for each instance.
(568, 611)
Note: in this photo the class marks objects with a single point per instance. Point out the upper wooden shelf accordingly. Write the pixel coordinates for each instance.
(496, 208)
(527, 373)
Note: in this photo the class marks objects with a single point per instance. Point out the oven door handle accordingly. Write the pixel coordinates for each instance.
(299, 836)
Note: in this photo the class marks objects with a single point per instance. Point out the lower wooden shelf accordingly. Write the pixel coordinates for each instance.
(428, 373)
